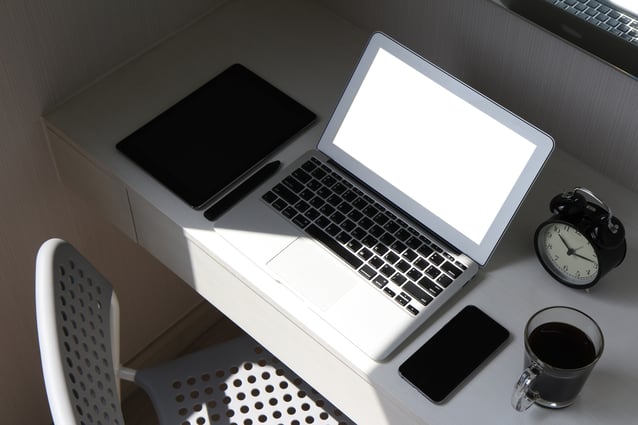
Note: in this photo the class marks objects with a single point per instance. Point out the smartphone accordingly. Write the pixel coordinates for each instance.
(453, 353)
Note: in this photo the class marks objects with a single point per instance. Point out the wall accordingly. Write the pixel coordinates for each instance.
(49, 49)
(587, 106)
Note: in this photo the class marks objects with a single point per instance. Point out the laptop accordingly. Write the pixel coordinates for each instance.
(606, 28)
(410, 188)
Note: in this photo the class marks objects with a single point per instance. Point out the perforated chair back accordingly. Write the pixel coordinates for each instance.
(77, 313)
(237, 382)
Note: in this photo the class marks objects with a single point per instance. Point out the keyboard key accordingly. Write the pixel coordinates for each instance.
(354, 245)
(381, 219)
(309, 165)
(421, 264)
(430, 286)
(317, 202)
(332, 229)
(349, 195)
(326, 209)
(307, 194)
(314, 184)
(358, 233)
(376, 262)
(451, 269)
(341, 251)
(403, 266)
(344, 207)
(334, 199)
(391, 257)
(432, 271)
(380, 281)
(387, 239)
(348, 226)
(380, 249)
(318, 173)
(301, 221)
(391, 226)
(414, 274)
(399, 279)
(368, 272)
(389, 292)
(369, 241)
(324, 192)
(343, 238)
(355, 215)
(402, 300)
(412, 310)
(370, 211)
(289, 212)
(339, 188)
(293, 184)
(387, 270)
(398, 246)
(444, 280)
(366, 223)
(417, 293)
(312, 214)
(359, 203)
(413, 242)
(365, 253)
(322, 222)
(337, 217)
(402, 235)
(328, 181)
(269, 197)
(436, 259)
(279, 204)
(376, 231)
(301, 175)
(409, 255)
(302, 206)
(285, 193)
(425, 250)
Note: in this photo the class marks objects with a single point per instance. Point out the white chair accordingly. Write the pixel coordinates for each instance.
(237, 382)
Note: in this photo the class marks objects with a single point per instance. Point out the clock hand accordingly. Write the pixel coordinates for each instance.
(570, 250)
(565, 243)
(584, 258)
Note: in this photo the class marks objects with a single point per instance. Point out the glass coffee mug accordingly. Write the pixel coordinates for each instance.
(562, 345)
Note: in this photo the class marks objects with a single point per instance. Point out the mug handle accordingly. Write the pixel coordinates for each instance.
(523, 396)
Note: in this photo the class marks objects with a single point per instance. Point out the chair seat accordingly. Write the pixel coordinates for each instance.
(236, 382)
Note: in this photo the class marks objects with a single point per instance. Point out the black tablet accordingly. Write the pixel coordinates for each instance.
(206, 141)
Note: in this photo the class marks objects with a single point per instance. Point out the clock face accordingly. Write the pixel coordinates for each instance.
(567, 254)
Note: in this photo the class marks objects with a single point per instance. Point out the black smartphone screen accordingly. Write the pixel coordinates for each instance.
(453, 353)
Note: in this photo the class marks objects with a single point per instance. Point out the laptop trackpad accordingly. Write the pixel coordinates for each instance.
(313, 273)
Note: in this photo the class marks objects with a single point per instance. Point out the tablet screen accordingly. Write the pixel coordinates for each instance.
(202, 144)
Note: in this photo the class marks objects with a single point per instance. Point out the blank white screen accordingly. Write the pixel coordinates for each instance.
(453, 159)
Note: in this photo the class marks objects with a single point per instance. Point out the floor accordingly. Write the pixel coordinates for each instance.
(137, 407)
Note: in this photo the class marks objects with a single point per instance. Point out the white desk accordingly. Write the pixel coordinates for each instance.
(309, 53)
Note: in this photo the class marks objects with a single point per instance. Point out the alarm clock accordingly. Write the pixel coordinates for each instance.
(582, 241)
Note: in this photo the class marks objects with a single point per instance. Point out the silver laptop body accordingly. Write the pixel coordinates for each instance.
(413, 183)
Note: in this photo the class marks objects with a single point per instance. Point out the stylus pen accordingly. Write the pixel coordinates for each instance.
(242, 190)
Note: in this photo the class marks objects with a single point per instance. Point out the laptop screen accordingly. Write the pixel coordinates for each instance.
(448, 156)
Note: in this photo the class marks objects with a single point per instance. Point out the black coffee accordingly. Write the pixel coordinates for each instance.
(562, 345)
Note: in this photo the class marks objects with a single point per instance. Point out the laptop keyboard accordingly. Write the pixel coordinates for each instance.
(603, 16)
(397, 259)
